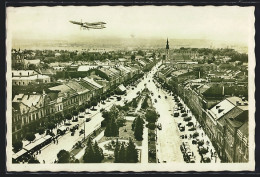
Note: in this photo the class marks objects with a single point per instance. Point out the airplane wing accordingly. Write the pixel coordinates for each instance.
(95, 23)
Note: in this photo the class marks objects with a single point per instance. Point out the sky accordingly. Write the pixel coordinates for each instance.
(52, 23)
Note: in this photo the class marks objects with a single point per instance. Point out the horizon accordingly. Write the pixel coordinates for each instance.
(227, 24)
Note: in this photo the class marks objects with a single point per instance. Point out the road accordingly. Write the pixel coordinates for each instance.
(66, 142)
(168, 141)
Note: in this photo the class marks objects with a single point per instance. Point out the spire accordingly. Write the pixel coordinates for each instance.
(167, 44)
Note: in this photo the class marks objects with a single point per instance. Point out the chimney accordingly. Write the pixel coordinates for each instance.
(220, 110)
(238, 103)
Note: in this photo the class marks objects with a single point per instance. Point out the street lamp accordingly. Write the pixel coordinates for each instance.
(84, 130)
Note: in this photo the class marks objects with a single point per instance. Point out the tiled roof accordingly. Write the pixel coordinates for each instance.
(92, 82)
(63, 88)
(76, 86)
(28, 100)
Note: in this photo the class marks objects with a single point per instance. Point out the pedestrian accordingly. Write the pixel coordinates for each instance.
(43, 161)
(192, 154)
(36, 152)
(40, 151)
(202, 134)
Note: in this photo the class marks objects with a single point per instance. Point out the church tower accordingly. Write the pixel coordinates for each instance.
(167, 50)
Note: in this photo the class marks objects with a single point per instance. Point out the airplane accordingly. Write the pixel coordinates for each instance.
(86, 25)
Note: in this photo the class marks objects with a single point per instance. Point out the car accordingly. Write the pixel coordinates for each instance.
(194, 142)
(88, 119)
(182, 149)
(182, 128)
(81, 115)
(155, 100)
(159, 126)
(75, 120)
(189, 153)
(81, 131)
(165, 97)
(176, 114)
(192, 160)
(206, 160)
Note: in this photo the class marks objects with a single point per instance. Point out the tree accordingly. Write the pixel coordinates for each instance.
(98, 152)
(63, 156)
(121, 122)
(68, 117)
(122, 154)
(89, 156)
(116, 151)
(51, 125)
(30, 137)
(134, 103)
(75, 113)
(106, 115)
(103, 98)
(138, 130)
(108, 95)
(17, 145)
(87, 106)
(41, 130)
(151, 126)
(131, 152)
(112, 129)
(151, 116)
(132, 58)
(94, 103)
(58, 116)
(81, 109)
(145, 103)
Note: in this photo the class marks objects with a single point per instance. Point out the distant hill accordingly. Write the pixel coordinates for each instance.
(121, 43)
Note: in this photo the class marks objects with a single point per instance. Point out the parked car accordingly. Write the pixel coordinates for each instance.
(81, 132)
(159, 126)
(88, 119)
(192, 160)
(182, 128)
(82, 115)
(176, 114)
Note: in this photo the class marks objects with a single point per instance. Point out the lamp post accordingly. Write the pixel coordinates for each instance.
(84, 130)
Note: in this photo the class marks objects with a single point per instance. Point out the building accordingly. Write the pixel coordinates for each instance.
(25, 77)
(227, 127)
(167, 54)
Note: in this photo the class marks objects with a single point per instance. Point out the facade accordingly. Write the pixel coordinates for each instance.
(25, 77)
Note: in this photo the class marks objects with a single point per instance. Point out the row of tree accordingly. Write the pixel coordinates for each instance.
(93, 153)
(137, 127)
(125, 152)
